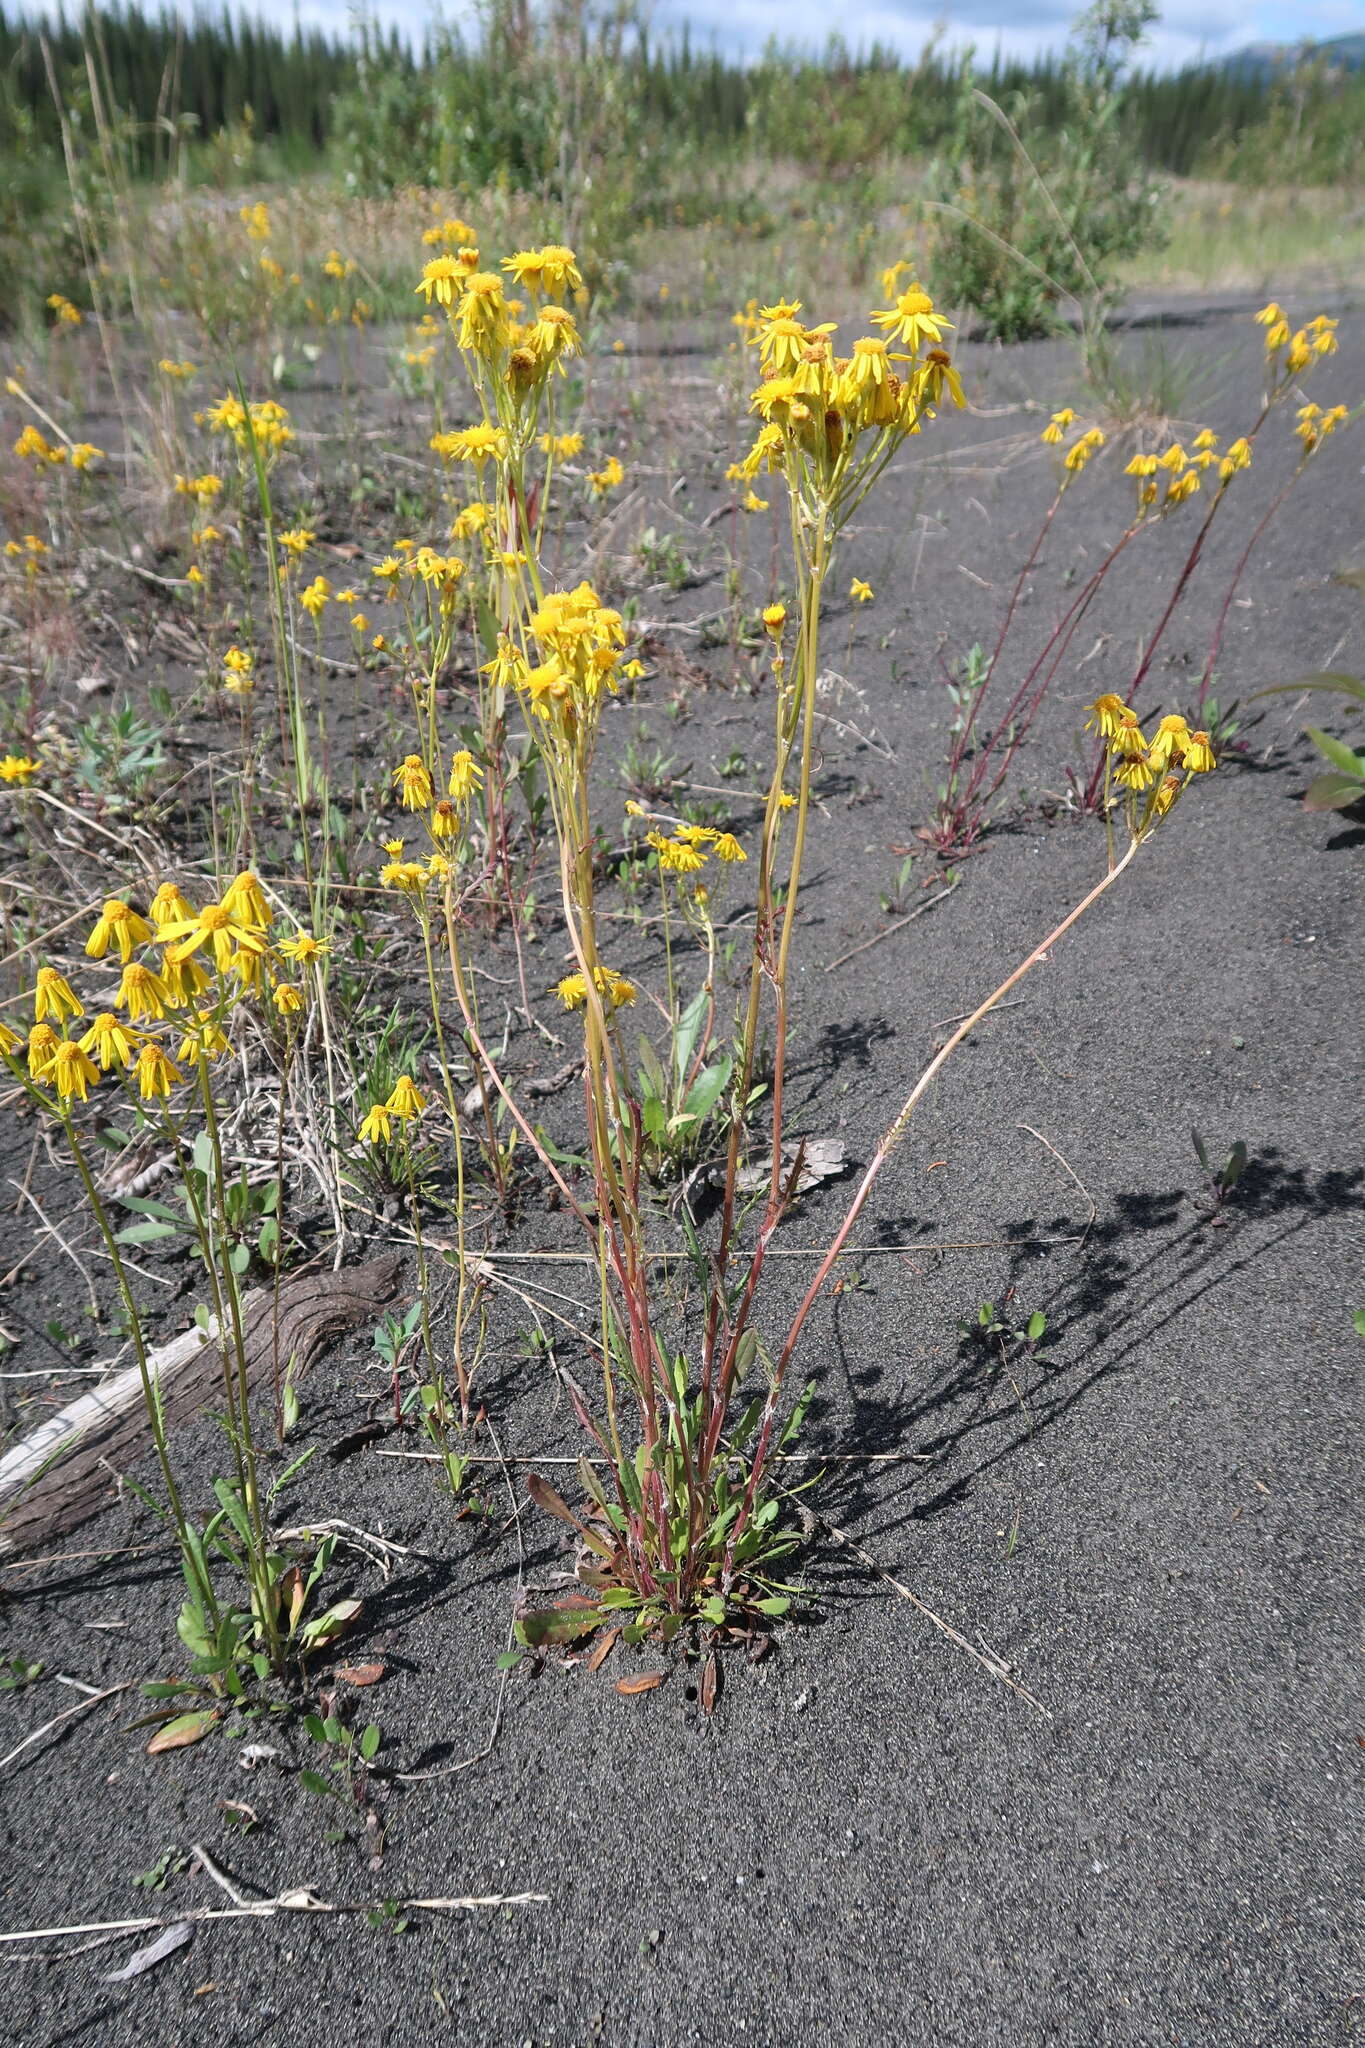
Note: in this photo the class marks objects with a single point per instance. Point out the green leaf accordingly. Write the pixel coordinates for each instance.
(1338, 753)
(1037, 1323)
(1200, 1152)
(508, 1660)
(688, 1032)
(313, 1782)
(1358, 1320)
(146, 1233)
(797, 1416)
(557, 1624)
(183, 1730)
(1322, 679)
(713, 1610)
(369, 1742)
(774, 1607)
(708, 1088)
(1333, 792)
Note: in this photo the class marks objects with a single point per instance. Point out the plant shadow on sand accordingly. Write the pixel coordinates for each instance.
(1131, 1275)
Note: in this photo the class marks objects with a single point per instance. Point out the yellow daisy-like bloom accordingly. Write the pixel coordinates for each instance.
(156, 1073)
(1141, 465)
(774, 619)
(938, 372)
(84, 453)
(1205, 440)
(554, 335)
(296, 541)
(70, 1070)
(478, 444)
(482, 314)
(677, 856)
(1237, 457)
(18, 769)
(245, 900)
(1127, 741)
(287, 998)
(860, 592)
(912, 321)
(1080, 452)
(408, 875)
(314, 598)
(406, 1100)
(1136, 772)
(1057, 426)
(377, 1126)
(54, 997)
(445, 821)
(203, 1040)
(110, 1040)
(185, 980)
(1182, 487)
(42, 1043)
(117, 925)
(168, 906)
(1168, 741)
(1197, 755)
(563, 447)
(786, 801)
(729, 848)
(215, 927)
(10, 1040)
(465, 776)
(412, 780)
(614, 989)
(441, 280)
(142, 992)
(303, 949)
(1105, 715)
(1269, 316)
(607, 477)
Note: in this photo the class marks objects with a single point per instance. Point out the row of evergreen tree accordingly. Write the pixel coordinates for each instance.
(218, 69)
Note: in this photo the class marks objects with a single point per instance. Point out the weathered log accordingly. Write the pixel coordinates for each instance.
(66, 1469)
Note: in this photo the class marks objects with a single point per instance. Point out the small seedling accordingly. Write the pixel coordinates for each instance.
(1220, 1183)
(168, 1864)
(16, 1672)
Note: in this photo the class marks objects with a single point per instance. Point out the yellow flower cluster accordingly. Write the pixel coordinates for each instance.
(1314, 426)
(686, 850)
(613, 988)
(30, 552)
(67, 314)
(404, 1105)
(18, 769)
(265, 421)
(1151, 767)
(1302, 348)
(520, 354)
(202, 963)
(256, 220)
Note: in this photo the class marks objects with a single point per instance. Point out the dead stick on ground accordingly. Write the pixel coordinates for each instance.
(899, 925)
(1066, 1165)
(985, 1658)
(81, 1707)
(298, 1901)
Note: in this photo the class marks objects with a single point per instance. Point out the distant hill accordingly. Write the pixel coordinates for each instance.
(1262, 59)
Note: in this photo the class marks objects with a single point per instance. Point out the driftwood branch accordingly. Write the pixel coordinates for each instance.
(66, 1469)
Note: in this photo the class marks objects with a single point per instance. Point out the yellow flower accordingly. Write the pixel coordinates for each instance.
(413, 782)
(1182, 487)
(1136, 772)
(478, 444)
(607, 477)
(1166, 795)
(70, 1070)
(287, 999)
(245, 901)
(156, 1074)
(408, 875)
(482, 314)
(296, 541)
(860, 592)
(84, 453)
(202, 1040)
(445, 821)
(1057, 425)
(563, 447)
(42, 1043)
(774, 619)
(1127, 739)
(117, 925)
(18, 768)
(1197, 756)
(314, 598)
(1168, 741)
(1106, 714)
(912, 321)
(215, 927)
(465, 776)
(359, 623)
(938, 371)
(303, 949)
(677, 856)
(256, 220)
(112, 1043)
(729, 848)
(377, 1127)
(786, 801)
(751, 502)
(1269, 316)
(612, 987)
(142, 992)
(54, 998)
(441, 279)
(10, 1041)
(1080, 452)
(407, 1100)
(168, 906)
(1238, 457)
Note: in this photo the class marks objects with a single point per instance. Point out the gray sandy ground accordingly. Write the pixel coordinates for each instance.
(872, 1839)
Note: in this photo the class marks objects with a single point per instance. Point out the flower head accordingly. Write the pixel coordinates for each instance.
(18, 768)
(117, 925)
(156, 1073)
(406, 1100)
(54, 997)
(412, 780)
(111, 1041)
(70, 1070)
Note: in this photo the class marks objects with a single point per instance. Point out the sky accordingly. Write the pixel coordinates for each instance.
(1189, 29)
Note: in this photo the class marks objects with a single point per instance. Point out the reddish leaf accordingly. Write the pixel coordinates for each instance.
(563, 1624)
(545, 1497)
(603, 1650)
(640, 1681)
(361, 1674)
(710, 1684)
(182, 1731)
